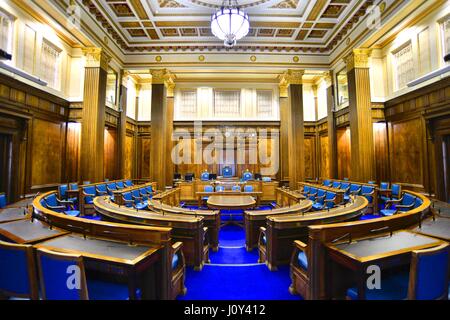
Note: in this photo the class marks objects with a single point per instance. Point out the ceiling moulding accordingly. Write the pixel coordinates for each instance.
(307, 26)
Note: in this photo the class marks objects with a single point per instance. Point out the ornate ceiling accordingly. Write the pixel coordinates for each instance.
(315, 26)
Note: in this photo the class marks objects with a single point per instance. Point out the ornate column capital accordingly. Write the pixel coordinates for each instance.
(96, 58)
(124, 80)
(289, 77)
(358, 58)
(164, 76)
(327, 77)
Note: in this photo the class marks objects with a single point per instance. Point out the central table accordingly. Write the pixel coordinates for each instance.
(231, 202)
(13, 214)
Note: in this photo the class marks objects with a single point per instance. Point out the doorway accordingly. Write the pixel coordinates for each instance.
(446, 167)
(6, 148)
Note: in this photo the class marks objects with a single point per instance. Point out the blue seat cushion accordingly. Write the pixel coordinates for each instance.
(264, 239)
(317, 206)
(88, 200)
(387, 212)
(72, 213)
(175, 261)
(141, 205)
(393, 287)
(102, 290)
(302, 260)
(2, 201)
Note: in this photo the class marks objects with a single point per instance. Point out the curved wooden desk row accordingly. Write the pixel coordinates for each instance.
(118, 198)
(171, 284)
(170, 197)
(188, 229)
(286, 197)
(313, 283)
(211, 219)
(339, 192)
(254, 220)
(276, 240)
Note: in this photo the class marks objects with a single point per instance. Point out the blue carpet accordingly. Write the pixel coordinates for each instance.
(232, 236)
(234, 274)
(254, 282)
(233, 256)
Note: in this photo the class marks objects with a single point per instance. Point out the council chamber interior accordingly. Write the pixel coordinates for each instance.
(236, 150)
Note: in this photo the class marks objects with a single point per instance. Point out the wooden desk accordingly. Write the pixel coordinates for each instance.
(132, 262)
(256, 194)
(24, 203)
(286, 197)
(13, 214)
(27, 232)
(231, 202)
(383, 250)
(438, 228)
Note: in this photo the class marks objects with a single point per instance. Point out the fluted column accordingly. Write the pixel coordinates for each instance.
(360, 116)
(292, 127)
(93, 126)
(162, 166)
(122, 128)
(331, 124)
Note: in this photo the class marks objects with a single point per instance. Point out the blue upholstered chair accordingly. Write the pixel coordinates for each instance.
(62, 193)
(127, 198)
(128, 183)
(247, 176)
(392, 207)
(89, 194)
(325, 201)
(139, 202)
(368, 192)
(220, 188)
(110, 187)
(67, 207)
(144, 194)
(2, 200)
(326, 183)
(56, 271)
(313, 193)
(204, 176)
(427, 279)
(248, 188)
(236, 188)
(73, 186)
(418, 202)
(207, 189)
(384, 186)
(395, 193)
(150, 191)
(17, 274)
(101, 190)
(318, 198)
(354, 190)
(306, 190)
(336, 184)
(227, 172)
(120, 185)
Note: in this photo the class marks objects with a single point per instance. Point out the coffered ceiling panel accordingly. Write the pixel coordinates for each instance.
(314, 26)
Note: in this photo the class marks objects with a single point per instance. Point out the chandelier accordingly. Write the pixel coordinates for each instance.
(230, 23)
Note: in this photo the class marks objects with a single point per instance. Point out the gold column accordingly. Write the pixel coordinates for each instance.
(162, 166)
(360, 116)
(93, 126)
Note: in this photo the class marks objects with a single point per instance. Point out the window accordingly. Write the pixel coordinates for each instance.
(49, 65)
(227, 103)
(29, 50)
(111, 87)
(264, 103)
(445, 30)
(188, 103)
(403, 66)
(342, 87)
(6, 32)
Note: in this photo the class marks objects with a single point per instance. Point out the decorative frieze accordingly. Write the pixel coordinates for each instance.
(96, 58)
(358, 58)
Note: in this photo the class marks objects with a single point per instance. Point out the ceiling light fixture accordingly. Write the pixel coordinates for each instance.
(230, 23)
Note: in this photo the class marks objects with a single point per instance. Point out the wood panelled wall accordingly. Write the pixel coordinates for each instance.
(36, 124)
(343, 152)
(417, 124)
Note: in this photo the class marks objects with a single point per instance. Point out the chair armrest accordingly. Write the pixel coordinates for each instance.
(88, 194)
(330, 200)
(101, 193)
(321, 197)
(300, 245)
(57, 207)
(65, 202)
(262, 233)
(136, 198)
(402, 206)
(368, 194)
(391, 202)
